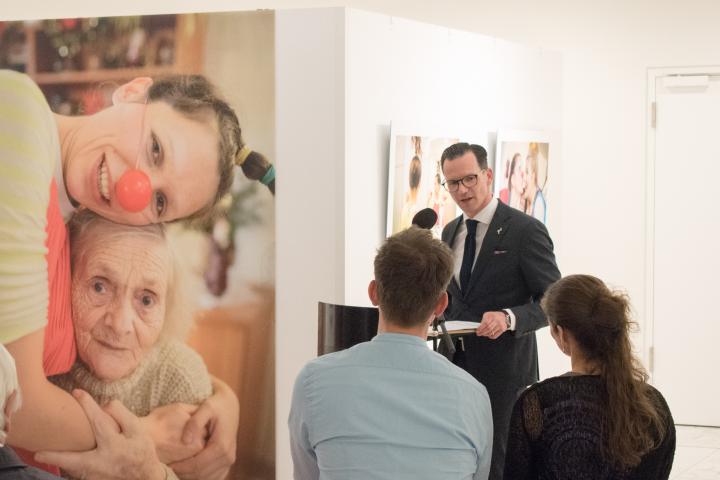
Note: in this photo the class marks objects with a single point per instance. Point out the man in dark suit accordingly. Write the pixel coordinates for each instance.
(504, 261)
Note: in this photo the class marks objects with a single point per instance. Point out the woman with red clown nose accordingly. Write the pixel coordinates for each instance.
(165, 150)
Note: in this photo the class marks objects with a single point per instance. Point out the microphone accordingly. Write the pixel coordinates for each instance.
(445, 339)
(425, 218)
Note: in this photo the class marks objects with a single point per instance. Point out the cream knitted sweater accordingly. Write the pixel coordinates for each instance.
(171, 372)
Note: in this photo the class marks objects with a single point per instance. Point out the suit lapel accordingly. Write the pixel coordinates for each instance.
(495, 233)
(450, 240)
(452, 231)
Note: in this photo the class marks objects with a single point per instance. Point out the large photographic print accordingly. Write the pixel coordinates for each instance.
(221, 244)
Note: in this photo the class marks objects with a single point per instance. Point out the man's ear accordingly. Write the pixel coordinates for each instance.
(441, 305)
(490, 175)
(134, 91)
(372, 292)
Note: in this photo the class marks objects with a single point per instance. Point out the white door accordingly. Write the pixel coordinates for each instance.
(685, 279)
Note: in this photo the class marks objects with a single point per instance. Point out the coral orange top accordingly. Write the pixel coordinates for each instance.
(59, 351)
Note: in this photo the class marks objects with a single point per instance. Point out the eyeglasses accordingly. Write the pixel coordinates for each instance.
(453, 185)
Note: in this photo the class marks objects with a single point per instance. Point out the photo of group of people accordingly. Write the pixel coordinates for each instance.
(521, 176)
(416, 182)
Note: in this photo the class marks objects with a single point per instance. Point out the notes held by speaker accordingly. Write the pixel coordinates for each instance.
(458, 327)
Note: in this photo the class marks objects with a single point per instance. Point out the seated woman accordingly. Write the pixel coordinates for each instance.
(602, 419)
(126, 308)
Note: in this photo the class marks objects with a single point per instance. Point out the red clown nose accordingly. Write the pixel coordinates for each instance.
(133, 190)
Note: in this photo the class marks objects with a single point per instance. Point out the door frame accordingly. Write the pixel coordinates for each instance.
(653, 75)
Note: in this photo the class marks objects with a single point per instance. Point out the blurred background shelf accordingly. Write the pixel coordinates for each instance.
(78, 62)
(94, 76)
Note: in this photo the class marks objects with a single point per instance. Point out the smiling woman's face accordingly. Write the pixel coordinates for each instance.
(178, 154)
(119, 290)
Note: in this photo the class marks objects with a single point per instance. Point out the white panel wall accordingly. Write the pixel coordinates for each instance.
(310, 122)
(442, 80)
(342, 77)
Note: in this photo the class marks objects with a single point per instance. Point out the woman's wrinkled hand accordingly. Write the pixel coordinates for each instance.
(124, 450)
(218, 416)
(166, 425)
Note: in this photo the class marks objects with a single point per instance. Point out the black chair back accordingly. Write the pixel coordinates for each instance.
(342, 326)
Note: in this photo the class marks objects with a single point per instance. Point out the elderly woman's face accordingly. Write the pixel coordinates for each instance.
(119, 290)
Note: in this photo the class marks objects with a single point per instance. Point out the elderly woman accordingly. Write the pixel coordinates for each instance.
(126, 306)
(602, 419)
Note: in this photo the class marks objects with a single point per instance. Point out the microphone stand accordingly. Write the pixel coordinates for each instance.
(445, 338)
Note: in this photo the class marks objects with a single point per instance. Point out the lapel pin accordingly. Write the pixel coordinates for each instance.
(499, 230)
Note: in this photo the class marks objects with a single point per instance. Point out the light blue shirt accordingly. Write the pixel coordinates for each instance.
(389, 409)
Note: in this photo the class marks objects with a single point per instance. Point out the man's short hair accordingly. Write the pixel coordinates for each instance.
(412, 270)
(8, 383)
(459, 149)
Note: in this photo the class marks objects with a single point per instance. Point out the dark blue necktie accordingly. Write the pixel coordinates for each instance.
(468, 254)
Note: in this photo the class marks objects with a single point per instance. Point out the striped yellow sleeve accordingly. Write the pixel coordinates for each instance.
(28, 152)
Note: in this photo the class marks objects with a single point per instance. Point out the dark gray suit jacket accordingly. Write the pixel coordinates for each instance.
(515, 265)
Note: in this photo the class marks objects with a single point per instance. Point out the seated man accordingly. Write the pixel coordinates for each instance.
(391, 408)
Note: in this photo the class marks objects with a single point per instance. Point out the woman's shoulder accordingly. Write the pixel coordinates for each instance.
(561, 385)
(27, 116)
(18, 88)
(658, 399)
(654, 392)
(566, 379)
(11, 77)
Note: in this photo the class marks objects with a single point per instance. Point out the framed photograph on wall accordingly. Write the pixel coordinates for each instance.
(521, 171)
(415, 180)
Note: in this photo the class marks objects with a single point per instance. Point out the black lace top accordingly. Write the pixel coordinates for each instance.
(555, 434)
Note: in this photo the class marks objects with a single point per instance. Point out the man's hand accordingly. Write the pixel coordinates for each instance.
(124, 451)
(492, 325)
(219, 415)
(166, 425)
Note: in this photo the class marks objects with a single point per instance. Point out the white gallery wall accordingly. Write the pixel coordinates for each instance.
(310, 198)
(343, 76)
(435, 80)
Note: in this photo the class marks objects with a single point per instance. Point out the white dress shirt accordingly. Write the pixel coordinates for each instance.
(484, 217)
